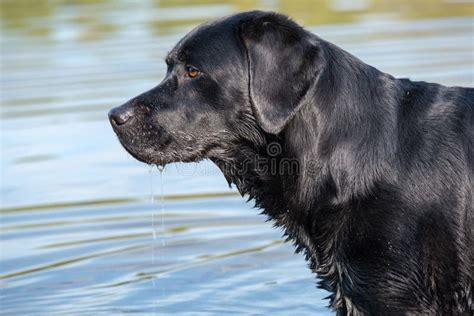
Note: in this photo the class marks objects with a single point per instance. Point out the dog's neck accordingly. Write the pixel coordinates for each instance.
(273, 182)
(257, 173)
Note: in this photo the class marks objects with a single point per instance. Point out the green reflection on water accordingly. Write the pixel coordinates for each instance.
(108, 202)
(37, 17)
(67, 262)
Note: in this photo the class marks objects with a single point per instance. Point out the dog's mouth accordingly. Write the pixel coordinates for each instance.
(141, 147)
(144, 154)
(157, 147)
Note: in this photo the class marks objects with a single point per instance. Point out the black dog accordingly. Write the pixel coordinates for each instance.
(371, 176)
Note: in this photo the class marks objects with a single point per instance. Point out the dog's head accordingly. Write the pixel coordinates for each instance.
(230, 81)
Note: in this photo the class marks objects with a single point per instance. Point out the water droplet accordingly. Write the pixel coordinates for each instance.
(150, 171)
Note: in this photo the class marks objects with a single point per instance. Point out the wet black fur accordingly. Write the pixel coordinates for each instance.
(381, 203)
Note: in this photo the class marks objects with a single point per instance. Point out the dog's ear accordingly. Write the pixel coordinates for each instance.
(282, 63)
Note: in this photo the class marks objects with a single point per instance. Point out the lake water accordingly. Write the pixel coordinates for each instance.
(84, 228)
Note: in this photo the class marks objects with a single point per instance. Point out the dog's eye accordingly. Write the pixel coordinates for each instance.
(192, 72)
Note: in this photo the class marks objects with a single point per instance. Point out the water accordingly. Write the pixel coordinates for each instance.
(77, 220)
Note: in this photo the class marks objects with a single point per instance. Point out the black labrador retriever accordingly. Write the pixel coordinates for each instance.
(371, 176)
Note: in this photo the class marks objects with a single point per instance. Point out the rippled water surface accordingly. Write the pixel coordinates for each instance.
(84, 228)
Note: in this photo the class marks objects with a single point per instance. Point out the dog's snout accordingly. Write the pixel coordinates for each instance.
(120, 115)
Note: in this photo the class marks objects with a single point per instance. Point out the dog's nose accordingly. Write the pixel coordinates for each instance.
(120, 115)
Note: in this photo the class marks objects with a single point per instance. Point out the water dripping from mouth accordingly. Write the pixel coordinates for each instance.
(162, 202)
(152, 198)
(153, 228)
